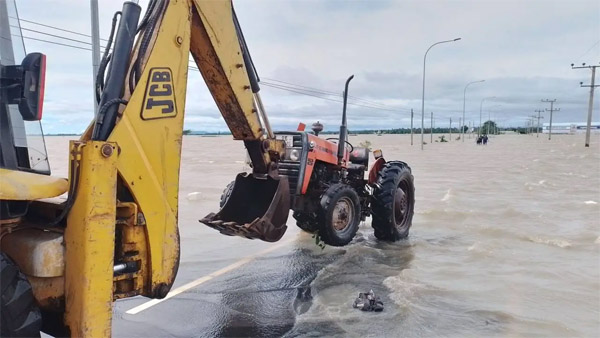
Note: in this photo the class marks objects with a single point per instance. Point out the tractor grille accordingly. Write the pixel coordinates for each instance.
(292, 171)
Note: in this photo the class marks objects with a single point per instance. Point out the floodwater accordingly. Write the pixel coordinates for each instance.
(505, 242)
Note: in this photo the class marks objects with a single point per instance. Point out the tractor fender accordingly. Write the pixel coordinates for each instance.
(375, 169)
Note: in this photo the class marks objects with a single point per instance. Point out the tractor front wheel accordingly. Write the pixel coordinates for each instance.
(339, 215)
(305, 222)
(226, 194)
(393, 202)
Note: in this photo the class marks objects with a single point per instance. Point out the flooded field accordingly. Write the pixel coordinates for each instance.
(505, 242)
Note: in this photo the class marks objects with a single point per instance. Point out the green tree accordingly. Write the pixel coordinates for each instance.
(488, 127)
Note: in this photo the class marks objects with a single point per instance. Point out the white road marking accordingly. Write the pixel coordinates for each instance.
(201, 280)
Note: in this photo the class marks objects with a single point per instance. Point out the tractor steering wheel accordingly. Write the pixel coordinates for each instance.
(337, 139)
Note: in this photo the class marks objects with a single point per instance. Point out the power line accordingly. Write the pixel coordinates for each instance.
(323, 97)
(291, 87)
(51, 42)
(54, 27)
(332, 93)
(52, 35)
(313, 92)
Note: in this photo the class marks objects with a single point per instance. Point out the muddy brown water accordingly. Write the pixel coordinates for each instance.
(505, 242)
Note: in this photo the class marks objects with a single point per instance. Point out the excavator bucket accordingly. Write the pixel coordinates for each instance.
(256, 208)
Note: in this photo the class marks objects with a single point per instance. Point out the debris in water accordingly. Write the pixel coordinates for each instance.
(367, 301)
(194, 196)
(447, 196)
(590, 202)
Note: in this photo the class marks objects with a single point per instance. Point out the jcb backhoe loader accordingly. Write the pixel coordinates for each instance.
(63, 263)
(116, 234)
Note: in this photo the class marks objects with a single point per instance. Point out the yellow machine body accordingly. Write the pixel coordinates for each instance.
(124, 190)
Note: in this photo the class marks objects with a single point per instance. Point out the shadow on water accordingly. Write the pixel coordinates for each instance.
(266, 297)
(263, 299)
(360, 267)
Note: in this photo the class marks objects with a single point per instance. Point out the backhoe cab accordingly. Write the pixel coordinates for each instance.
(330, 191)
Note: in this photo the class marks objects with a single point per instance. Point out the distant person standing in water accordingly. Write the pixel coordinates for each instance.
(485, 139)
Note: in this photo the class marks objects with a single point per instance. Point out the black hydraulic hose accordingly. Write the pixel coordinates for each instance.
(117, 71)
(68, 204)
(136, 69)
(146, 15)
(250, 69)
(105, 59)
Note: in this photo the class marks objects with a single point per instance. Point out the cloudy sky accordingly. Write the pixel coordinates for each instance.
(523, 49)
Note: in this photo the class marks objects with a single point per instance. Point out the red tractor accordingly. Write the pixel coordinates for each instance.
(331, 193)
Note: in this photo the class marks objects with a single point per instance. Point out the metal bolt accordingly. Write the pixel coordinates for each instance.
(106, 150)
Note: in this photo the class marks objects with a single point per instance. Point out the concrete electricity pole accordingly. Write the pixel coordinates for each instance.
(591, 102)
(470, 126)
(431, 130)
(411, 127)
(533, 117)
(551, 110)
(450, 129)
(539, 111)
(95, 48)
(465, 102)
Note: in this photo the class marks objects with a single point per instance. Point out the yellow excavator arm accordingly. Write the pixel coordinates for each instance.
(119, 221)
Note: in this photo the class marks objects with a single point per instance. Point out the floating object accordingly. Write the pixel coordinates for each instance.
(194, 196)
(367, 301)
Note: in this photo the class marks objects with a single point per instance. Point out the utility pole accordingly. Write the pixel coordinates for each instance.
(95, 48)
(411, 127)
(551, 110)
(431, 130)
(450, 129)
(461, 131)
(591, 102)
(470, 131)
(533, 117)
(539, 111)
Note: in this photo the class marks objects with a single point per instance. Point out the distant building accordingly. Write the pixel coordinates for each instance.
(571, 128)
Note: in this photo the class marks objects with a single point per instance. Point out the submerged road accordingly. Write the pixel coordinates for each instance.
(505, 242)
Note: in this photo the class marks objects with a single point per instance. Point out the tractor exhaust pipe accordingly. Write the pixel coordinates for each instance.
(343, 127)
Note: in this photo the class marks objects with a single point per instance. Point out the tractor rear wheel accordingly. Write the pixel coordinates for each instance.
(339, 215)
(393, 202)
(20, 314)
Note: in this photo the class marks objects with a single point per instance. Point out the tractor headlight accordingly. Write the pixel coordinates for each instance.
(294, 155)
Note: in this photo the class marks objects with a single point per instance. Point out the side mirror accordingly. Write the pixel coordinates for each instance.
(34, 78)
(24, 85)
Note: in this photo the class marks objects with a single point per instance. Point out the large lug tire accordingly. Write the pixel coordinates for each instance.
(305, 222)
(21, 316)
(339, 215)
(226, 194)
(393, 202)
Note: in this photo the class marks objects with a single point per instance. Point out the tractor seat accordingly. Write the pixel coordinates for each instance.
(26, 186)
(360, 156)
